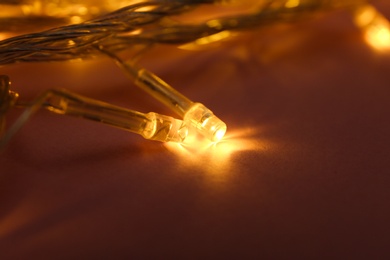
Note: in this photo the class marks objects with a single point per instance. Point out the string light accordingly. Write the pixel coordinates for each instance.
(147, 23)
(151, 126)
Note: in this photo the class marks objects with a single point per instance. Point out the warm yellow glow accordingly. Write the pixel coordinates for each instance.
(135, 32)
(32, 8)
(365, 15)
(375, 26)
(71, 43)
(76, 19)
(10, 10)
(378, 36)
(292, 3)
(199, 153)
(82, 10)
(205, 122)
(146, 8)
(4, 36)
(194, 114)
(113, 5)
(214, 23)
(219, 134)
(75, 10)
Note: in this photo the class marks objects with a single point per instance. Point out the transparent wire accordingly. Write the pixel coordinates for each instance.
(194, 114)
(145, 23)
(151, 126)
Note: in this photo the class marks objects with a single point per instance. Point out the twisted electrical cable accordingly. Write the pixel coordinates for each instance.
(76, 41)
(141, 24)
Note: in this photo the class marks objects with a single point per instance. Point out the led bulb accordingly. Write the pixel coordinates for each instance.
(164, 128)
(194, 115)
(205, 122)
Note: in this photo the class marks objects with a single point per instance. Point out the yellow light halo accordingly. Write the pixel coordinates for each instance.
(215, 159)
(292, 3)
(375, 26)
(219, 134)
(205, 122)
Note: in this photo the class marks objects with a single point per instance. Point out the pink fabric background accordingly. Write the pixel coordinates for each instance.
(303, 172)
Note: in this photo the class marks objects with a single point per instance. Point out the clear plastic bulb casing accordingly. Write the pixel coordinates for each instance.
(151, 126)
(164, 128)
(194, 114)
(206, 122)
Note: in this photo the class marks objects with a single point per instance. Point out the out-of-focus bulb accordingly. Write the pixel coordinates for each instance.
(292, 3)
(375, 26)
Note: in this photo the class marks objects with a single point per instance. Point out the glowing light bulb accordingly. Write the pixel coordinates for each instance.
(205, 122)
(219, 134)
(379, 37)
(375, 26)
(194, 114)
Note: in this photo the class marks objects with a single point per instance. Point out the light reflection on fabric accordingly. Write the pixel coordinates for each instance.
(216, 158)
